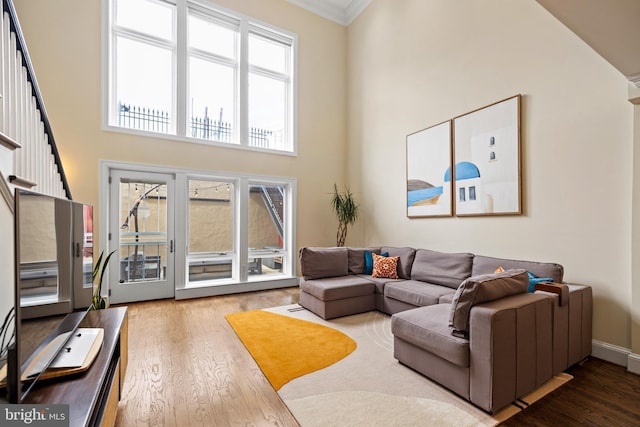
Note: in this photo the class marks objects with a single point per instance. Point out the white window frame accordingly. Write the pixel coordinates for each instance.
(180, 126)
(241, 281)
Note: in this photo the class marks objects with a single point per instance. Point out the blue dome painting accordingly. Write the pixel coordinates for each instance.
(464, 170)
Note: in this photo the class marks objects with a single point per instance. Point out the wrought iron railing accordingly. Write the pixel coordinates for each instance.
(155, 120)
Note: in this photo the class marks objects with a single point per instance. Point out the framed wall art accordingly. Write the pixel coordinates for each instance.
(486, 155)
(428, 166)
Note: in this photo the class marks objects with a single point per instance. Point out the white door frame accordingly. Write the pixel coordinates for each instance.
(181, 176)
(139, 291)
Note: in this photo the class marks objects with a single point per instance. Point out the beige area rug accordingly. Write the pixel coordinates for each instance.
(369, 387)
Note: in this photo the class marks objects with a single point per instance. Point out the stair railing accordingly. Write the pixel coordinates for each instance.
(24, 124)
(272, 208)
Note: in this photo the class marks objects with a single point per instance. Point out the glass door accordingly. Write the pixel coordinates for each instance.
(141, 227)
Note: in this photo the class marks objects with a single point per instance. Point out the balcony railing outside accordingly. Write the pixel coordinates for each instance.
(152, 120)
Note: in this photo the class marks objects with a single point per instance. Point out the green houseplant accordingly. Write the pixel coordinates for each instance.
(345, 207)
(98, 302)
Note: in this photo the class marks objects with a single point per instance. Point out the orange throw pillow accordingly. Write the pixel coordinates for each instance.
(386, 267)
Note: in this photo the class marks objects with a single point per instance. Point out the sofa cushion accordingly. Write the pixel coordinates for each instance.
(336, 288)
(379, 282)
(485, 265)
(446, 299)
(385, 266)
(406, 259)
(416, 293)
(483, 288)
(441, 268)
(427, 328)
(318, 263)
(357, 259)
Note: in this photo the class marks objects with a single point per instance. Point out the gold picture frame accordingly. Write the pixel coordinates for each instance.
(486, 153)
(429, 159)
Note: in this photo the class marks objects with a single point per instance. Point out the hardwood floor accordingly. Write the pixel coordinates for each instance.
(188, 368)
(600, 394)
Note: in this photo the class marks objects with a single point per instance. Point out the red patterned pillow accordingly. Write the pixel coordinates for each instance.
(385, 266)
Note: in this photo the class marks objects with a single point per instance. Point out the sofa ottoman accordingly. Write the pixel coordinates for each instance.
(423, 341)
(337, 296)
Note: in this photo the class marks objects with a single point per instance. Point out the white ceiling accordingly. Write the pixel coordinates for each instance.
(611, 28)
(340, 11)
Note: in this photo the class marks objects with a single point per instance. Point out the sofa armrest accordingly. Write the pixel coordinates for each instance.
(510, 341)
(560, 289)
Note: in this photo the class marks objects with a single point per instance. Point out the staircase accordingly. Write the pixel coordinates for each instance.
(273, 198)
(29, 157)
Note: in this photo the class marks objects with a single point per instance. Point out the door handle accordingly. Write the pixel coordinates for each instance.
(170, 246)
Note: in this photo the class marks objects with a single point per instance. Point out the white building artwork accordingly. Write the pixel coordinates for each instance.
(487, 173)
(468, 188)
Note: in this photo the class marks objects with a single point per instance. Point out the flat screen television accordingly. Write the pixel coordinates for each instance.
(53, 252)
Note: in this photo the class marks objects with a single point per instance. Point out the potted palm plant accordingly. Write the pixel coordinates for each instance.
(345, 207)
(98, 301)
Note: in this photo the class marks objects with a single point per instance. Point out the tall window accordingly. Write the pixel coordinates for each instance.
(239, 230)
(266, 226)
(211, 215)
(198, 72)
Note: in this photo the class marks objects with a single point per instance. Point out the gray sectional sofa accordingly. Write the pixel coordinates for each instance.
(458, 321)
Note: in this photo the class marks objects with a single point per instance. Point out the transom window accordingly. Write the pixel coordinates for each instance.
(201, 73)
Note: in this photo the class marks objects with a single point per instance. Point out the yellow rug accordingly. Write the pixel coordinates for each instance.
(288, 348)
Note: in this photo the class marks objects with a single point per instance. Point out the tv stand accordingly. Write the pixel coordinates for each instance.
(92, 395)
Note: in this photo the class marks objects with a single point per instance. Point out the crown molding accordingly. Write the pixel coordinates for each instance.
(355, 8)
(342, 15)
(635, 79)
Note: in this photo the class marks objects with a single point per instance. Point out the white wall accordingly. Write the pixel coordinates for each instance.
(416, 63)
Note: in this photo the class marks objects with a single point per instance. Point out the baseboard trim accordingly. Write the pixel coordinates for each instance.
(207, 291)
(633, 365)
(610, 353)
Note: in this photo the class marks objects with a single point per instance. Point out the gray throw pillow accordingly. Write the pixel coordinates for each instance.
(483, 288)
